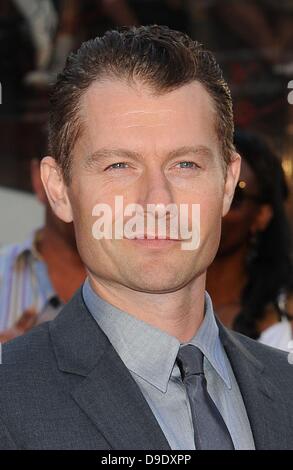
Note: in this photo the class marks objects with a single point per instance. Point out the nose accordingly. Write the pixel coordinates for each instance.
(155, 190)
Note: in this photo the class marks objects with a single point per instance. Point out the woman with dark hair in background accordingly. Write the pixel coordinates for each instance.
(252, 270)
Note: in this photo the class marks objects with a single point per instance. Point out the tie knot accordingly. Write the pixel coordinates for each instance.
(190, 360)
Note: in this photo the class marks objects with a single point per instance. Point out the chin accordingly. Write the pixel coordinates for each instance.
(158, 282)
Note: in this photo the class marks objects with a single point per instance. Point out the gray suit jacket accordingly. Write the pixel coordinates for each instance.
(63, 386)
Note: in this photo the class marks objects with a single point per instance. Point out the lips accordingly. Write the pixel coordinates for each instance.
(153, 237)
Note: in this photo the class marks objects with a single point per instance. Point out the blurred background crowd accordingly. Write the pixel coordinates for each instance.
(251, 279)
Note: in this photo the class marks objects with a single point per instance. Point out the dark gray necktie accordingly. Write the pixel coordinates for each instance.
(210, 430)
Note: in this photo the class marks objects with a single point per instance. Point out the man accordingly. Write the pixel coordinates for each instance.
(39, 275)
(136, 360)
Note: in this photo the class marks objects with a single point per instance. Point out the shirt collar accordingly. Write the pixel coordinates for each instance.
(150, 352)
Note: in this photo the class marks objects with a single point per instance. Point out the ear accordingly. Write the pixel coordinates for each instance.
(37, 184)
(231, 180)
(56, 189)
(262, 218)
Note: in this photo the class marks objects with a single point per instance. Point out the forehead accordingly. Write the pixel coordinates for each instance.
(115, 113)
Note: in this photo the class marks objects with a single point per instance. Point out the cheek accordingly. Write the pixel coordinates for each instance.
(211, 209)
(210, 224)
(209, 198)
(82, 202)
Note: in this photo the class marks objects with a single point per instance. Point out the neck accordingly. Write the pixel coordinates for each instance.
(179, 313)
(65, 268)
(226, 278)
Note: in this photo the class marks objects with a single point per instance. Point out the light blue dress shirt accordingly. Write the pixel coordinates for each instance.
(150, 356)
(25, 283)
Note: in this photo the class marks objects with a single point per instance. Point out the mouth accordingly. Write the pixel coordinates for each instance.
(154, 242)
(148, 236)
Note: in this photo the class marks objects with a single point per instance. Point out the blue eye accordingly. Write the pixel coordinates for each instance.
(188, 165)
(119, 165)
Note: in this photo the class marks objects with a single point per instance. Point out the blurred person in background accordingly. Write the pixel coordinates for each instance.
(264, 25)
(42, 20)
(252, 270)
(75, 19)
(78, 20)
(39, 275)
(253, 41)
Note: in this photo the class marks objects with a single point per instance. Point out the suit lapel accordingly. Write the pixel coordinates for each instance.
(113, 401)
(108, 394)
(264, 404)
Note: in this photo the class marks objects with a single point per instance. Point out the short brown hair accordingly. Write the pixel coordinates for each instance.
(161, 58)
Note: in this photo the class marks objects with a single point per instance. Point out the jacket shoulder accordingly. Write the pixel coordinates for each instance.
(277, 365)
(258, 348)
(29, 348)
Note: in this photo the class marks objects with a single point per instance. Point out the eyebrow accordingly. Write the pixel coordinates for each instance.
(104, 153)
